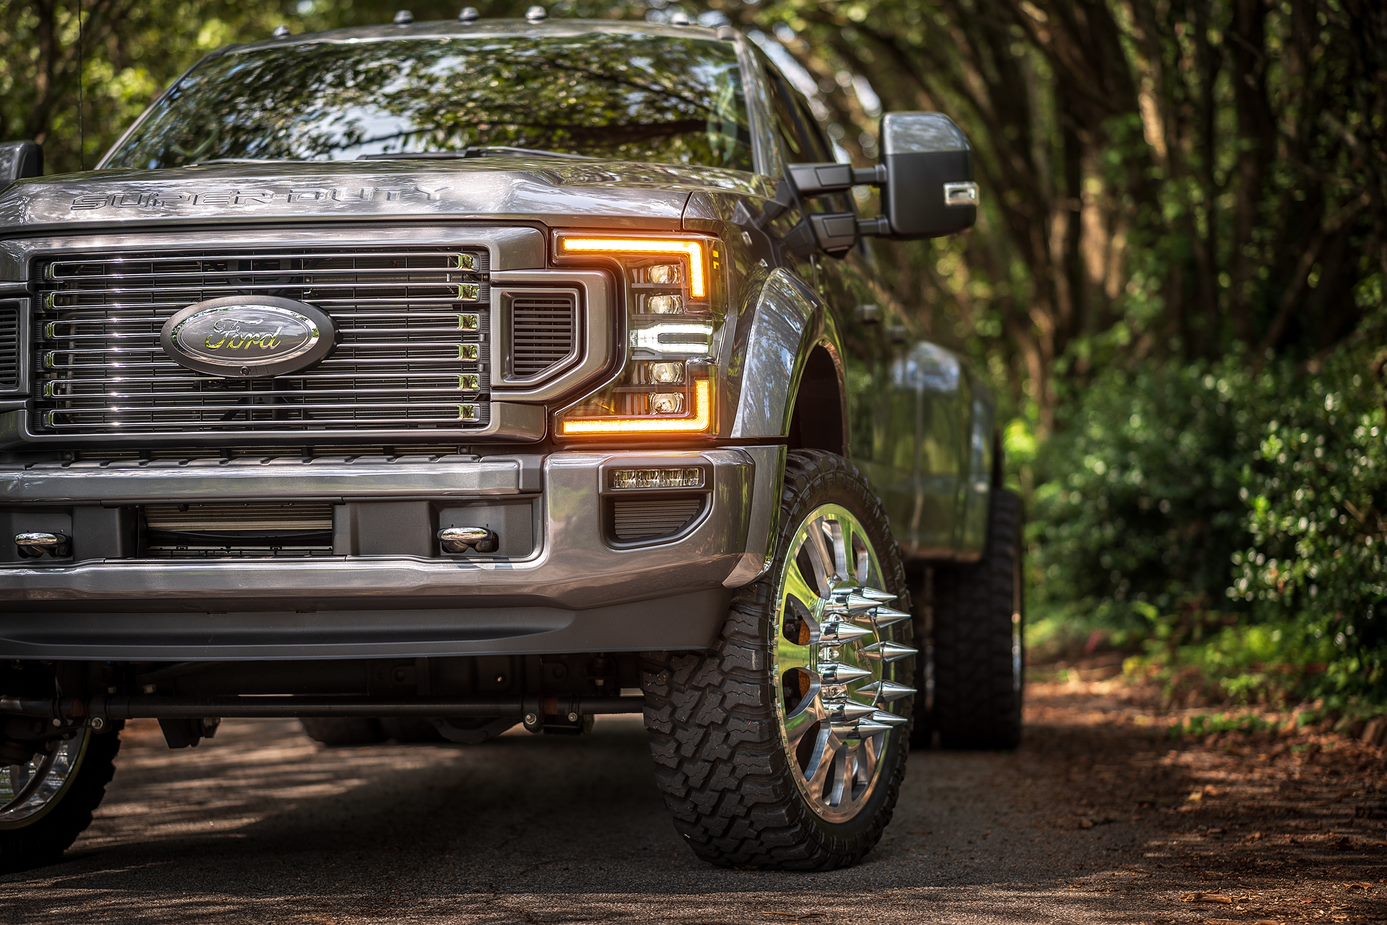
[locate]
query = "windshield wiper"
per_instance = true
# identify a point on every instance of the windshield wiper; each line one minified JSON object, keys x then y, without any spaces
{"x":472,"y":151}
{"x":242,"y":160}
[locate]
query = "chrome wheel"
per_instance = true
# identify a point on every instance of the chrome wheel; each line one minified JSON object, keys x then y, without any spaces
{"x":29,"y":790}
{"x":836,"y":663}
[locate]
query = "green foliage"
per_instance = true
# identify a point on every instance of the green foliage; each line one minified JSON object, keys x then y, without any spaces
{"x":1234,"y":517}
{"x":1317,"y":498}
{"x":1203,"y":725}
{"x":1137,"y":515}
{"x":1251,"y":663}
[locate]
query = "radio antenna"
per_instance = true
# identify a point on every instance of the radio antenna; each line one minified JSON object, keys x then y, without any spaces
{"x":81,"y":101}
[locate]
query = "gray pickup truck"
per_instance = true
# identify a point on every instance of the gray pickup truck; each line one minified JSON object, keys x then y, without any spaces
{"x":434,"y":378}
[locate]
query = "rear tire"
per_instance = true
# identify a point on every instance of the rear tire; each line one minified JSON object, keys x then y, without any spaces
{"x":977,"y":641}
{"x":36,"y":831}
{"x":771,"y":751}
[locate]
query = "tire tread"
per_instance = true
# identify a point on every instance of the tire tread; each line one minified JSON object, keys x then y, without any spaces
{"x":976,"y":705}
{"x":713,"y":729}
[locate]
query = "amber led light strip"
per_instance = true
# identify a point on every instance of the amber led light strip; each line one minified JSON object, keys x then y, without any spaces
{"x":698,"y":423}
{"x":698,"y":285}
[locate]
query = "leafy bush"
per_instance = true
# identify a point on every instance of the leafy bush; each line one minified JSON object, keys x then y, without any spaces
{"x":1317,"y":498}
{"x":1138,"y":514}
{"x":1234,"y":519}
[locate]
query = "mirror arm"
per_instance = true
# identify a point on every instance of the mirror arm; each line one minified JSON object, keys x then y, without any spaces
{"x":823,"y":179}
{"x":874,"y":227}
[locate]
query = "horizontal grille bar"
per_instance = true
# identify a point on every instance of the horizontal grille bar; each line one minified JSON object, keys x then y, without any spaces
{"x":410,"y":351}
{"x":652,"y":518}
{"x":74,"y":266}
{"x":239,"y":518}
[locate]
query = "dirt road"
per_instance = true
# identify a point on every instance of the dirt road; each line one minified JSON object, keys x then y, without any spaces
{"x":1101,"y":817}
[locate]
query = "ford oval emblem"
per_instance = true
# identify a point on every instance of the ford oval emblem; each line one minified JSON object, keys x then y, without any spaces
{"x":242,"y":337}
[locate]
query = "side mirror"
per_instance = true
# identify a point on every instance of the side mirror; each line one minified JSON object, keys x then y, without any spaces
{"x":18,"y":160}
{"x":926,"y":180}
{"x":929,"y":189}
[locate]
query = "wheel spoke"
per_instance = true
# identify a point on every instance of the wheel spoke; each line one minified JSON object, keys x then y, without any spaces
{"x":821,"y":761}
{"x":871,"y":753}
{"x":839,"y":531}
{"x":793,"y":655}
{"x":797,"y":587}
{"x":852,"y":775}
{"x":800,"y":722}
{"x":845,"y":778}
{"x":863,"y":567}
{"x":820,"y":557}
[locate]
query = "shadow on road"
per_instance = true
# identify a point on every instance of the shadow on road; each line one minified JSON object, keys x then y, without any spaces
{"x":261,"y":825}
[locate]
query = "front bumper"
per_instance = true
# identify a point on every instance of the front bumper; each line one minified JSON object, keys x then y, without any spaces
{"x":574,"y":592}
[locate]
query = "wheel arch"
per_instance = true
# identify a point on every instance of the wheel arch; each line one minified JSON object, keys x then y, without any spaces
{"x":818,"y":415}
{"x":792,"y":377}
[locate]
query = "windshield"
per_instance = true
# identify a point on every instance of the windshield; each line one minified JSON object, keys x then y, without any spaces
{"x":622,"y":96}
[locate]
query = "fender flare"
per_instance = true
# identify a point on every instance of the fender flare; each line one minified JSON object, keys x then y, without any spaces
{"x":785,"y":323}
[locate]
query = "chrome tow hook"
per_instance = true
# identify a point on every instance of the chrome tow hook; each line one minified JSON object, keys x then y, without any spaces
{"x":467,"y":539}
{"x":34,"y":544}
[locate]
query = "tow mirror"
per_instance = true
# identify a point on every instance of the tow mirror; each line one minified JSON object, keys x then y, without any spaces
{"x":18,"y":160}
{"x":926,"y":180}
{"x":929,"y":189}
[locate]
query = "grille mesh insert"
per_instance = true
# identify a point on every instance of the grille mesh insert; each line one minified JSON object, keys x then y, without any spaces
{"x":238,"y":530}
{"x":652,"y":518}
{"x":9,"y":346}
{"x":543,"y":335}
{"x":410,"y":352}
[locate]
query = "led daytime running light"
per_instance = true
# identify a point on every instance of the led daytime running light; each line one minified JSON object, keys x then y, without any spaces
{"x":693,"y":250}
{"x":697,"y":423}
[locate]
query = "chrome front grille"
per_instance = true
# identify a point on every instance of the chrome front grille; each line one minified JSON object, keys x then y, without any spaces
{"x":411,"y":352}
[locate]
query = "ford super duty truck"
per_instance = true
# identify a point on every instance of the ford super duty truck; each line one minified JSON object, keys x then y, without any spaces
{"x":455,"y":376}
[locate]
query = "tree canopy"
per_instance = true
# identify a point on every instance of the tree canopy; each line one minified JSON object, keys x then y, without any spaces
{"x":1180,"y":197}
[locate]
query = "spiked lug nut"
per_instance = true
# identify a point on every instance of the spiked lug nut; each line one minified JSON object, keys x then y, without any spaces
{"x":848,"y":711}
{"x":887,"y":691}
{"x":888,"y":719}
{"x":866,"y":727}
{"x":851,"y":603}
{"x":889,"y":652}
{"x":876,"y":594}
{"x":839,"y":632}
{"x":838,"y":673}
{"x":889,"y":616}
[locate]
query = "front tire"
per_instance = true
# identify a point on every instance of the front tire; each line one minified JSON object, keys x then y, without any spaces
{"x":785,"y":747}
{"x":48,"y":801}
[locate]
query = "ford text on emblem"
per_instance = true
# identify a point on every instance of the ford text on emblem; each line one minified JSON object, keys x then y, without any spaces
{"x":241,"y":337}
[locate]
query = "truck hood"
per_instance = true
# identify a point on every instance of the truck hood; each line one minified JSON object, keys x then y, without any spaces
{"x":595,"y":193}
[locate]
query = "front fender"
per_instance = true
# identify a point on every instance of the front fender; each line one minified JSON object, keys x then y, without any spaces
{"x":784,"y":322}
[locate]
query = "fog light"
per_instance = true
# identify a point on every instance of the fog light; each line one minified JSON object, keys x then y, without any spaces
{"x":635,"y":479}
